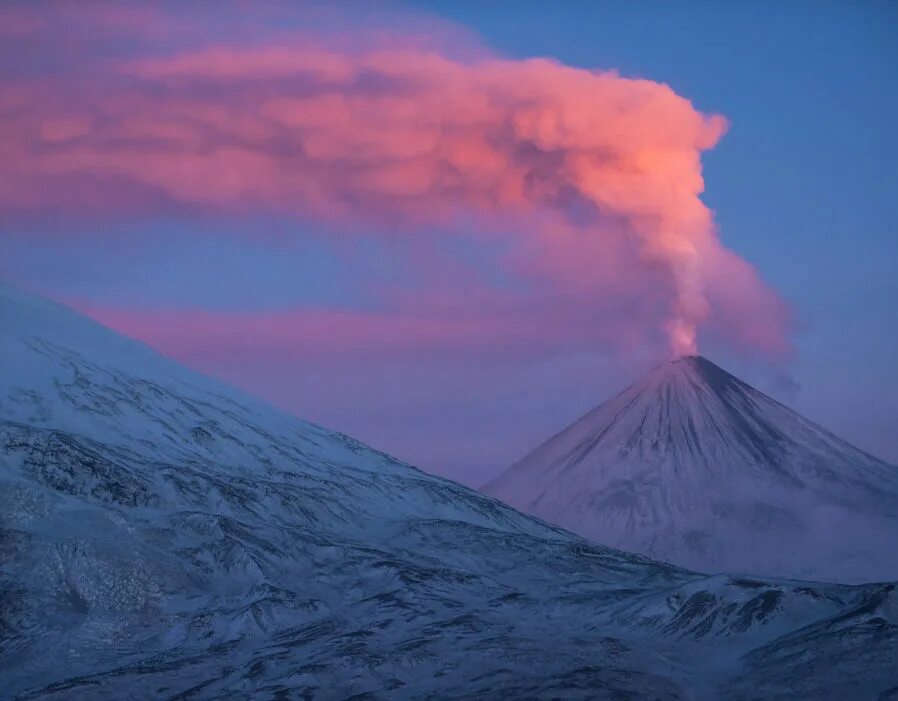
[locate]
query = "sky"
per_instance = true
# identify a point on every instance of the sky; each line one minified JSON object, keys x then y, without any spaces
{"x":449,"y":229}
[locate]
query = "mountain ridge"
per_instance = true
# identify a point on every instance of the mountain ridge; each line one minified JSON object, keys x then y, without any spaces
{"x":164,"y":536}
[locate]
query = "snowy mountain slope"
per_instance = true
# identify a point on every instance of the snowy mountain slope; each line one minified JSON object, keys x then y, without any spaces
{"x":163,"y":536}
{"x":693,"y":466}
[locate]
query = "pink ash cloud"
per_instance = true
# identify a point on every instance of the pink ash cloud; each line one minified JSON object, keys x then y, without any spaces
{"x":589,"y":182}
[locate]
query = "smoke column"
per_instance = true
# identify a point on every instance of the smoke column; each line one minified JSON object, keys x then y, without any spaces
{"x":590,"y":170}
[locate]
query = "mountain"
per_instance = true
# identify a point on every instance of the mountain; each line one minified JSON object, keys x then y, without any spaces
{"x":164,"y":536}
{"x":693,"y":466}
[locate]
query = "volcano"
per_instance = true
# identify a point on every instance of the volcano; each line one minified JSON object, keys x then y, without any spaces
{"x":693,"y":466}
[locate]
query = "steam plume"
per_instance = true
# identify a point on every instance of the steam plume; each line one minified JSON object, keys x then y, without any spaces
{"x":592,"y":171}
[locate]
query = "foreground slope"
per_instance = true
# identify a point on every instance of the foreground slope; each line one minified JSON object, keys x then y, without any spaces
{"x":693,"y":466}
{"x":163,"y":536}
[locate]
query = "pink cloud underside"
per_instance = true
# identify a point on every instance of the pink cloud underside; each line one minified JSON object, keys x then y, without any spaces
{"x":194,"y":335}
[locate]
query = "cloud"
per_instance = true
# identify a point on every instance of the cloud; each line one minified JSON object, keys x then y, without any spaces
{"x":589,"y":181}
{"x":486,"y":330}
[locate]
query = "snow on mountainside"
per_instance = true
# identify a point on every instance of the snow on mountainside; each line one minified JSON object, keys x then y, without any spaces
{"x":693,"y":466}
{"x":164,"y":536}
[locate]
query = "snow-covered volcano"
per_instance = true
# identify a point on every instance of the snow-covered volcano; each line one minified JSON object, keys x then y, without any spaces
{"x":695,"y":467}
{"x":163,"y":536}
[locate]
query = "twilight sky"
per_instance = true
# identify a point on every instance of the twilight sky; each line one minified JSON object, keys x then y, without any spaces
{"x":449,"y":229}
